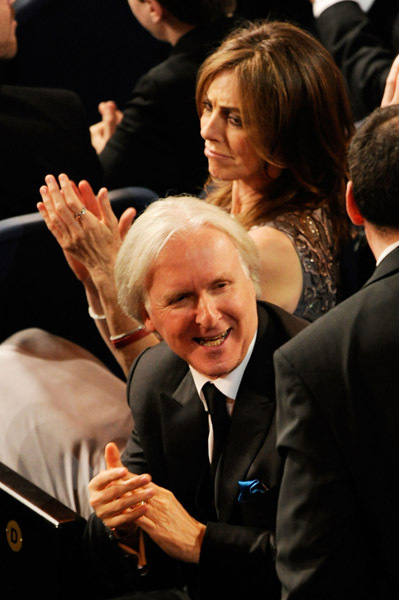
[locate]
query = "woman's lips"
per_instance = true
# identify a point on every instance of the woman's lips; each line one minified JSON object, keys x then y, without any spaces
{"x":210,"y":153}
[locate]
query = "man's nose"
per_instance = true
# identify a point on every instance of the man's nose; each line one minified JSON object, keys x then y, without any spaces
{"x":208,"y":313}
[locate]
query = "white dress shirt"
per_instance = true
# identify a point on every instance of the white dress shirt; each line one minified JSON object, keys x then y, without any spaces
{"x":228,"y":385}
{"x":387,"y":251}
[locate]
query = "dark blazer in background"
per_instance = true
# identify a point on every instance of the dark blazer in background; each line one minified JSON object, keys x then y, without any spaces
{"x":170,"y":442}
{"x":364,"y":46}
{"x":158,"y":143}
{"x":337,"y":427}
{"x":96,"y":48}
{"x":41,"y":131}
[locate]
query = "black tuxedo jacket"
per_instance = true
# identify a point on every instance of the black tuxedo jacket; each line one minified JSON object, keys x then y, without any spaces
{"x":364,"y":46}
{"x":158,"y":143}
{"x":337,"y":427}
{"x":42,"y":131}
{"x":170,"y":442}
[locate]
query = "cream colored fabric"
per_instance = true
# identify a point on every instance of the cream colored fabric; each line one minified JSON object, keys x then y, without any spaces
{"x":59,"y":406}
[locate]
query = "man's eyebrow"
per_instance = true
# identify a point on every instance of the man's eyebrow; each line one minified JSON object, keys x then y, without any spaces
{"x":168,"y":296}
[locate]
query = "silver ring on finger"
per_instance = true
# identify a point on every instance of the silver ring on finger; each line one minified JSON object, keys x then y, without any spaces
{"x":79,"y":214}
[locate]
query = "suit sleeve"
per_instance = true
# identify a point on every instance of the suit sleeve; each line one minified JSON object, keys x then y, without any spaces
{"x":362,"y":54}
{"x":137,"y":145}
{"x":237,"y":561}
{"x":146,"y":146}
{"x":319,"y":548}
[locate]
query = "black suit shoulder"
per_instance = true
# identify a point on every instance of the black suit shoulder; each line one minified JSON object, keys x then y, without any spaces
{"x":157,"y":364}
{"x":288,"y":324}
{"x":353,"y":346}
{"x":374,"y":301}
{"x":38,"y":96}
{"x":41,"y":131}
{"x":363,"y":45}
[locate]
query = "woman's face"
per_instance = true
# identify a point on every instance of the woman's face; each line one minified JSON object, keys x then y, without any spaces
{"x":231,"y":155}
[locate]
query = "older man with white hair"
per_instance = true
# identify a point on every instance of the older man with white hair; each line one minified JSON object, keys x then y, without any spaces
{"x":197,"y":486}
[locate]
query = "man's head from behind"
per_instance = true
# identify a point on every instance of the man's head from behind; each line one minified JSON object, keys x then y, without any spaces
{"x":8,"y":40}
{"x":189,"y":271}
{"x":198,"y":12}
{"x":374,"y":168}
{"x":190,"y":12}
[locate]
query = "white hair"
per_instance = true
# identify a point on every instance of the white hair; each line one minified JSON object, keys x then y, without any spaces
{"x":152,"y":230}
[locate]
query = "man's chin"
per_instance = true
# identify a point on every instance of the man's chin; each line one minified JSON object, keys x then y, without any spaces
{"x":214,"y":369}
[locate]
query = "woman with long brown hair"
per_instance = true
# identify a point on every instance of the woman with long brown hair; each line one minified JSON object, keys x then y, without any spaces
{"x":276,"y":122}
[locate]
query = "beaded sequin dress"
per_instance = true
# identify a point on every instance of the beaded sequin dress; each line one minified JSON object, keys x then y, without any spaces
{"x":312,"y":237}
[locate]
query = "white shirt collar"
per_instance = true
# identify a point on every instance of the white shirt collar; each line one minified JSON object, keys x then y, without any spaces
{"x":228,"y":384}
{"x":387,"y":251}
{"x":320,"y":6}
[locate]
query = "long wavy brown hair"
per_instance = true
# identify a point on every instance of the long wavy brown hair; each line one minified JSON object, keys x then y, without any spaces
{"x":296,"y":112}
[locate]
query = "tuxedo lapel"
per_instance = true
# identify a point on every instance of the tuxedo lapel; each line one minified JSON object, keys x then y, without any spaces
{"x":188,"y":422}
{"x":186,"y":439}
{"x":249,"y":428}
{"x":251,"y":420}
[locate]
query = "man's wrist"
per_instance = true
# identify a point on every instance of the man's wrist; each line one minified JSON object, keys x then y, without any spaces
{"x":198,"y":545}
{"x":125,"y":537}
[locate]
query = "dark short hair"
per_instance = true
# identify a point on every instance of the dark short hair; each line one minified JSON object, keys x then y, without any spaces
{"x":198,"y":12}
{"x":374,"y":167}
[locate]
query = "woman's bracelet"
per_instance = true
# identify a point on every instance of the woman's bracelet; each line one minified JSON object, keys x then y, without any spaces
{"x":123,"y":339}
{"x":95,"y":316}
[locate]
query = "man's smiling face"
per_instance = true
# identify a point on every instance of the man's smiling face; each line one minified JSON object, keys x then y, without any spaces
{"x":202,"y":302}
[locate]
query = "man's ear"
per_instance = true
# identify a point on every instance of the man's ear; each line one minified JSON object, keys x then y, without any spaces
{"x":156,"y":11}
{"x":146,"y":319}
{"x":351,"y":206}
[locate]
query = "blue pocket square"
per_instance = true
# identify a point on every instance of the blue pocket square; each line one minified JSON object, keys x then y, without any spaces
{"x":247,"y":488}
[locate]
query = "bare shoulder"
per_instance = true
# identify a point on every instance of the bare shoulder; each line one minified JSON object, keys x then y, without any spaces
{"x":273,"y":244}
{"x":280,"y":267}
